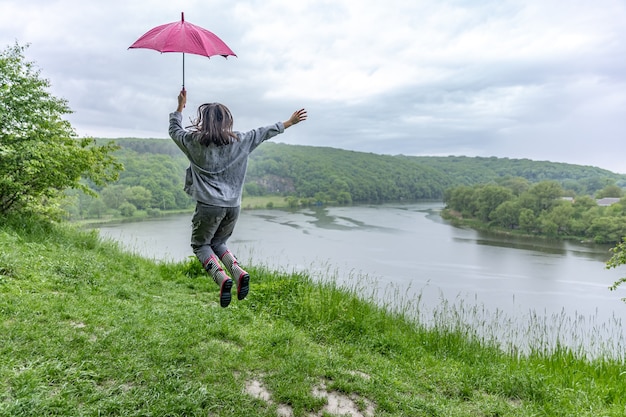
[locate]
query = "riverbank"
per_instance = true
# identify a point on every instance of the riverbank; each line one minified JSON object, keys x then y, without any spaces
{"x":89,"y":329}
{"x":456,"y":219}
{"x":248,"y":203}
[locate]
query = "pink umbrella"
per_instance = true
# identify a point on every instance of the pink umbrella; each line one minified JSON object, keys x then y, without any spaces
{"x":183,"y":37}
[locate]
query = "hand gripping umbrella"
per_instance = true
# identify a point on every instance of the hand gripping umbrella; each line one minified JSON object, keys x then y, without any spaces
{"x":183,"y":37}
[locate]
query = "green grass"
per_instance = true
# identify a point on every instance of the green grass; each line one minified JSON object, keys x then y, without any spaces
{"x":89,"y":330}
{"x":262,"y":202}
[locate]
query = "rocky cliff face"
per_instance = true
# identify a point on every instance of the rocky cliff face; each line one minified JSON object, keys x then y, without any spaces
{"x":275,"y":184}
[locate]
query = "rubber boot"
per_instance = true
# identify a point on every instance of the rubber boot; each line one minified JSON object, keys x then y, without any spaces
{"x":212,"y":266}
{"x":241,"y":277}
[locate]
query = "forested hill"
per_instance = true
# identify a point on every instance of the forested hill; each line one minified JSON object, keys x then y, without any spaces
{"x":472,"y":170}
{"x":336,"y":175}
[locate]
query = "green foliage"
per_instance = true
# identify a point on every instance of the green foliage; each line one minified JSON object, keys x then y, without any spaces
{"x":539,"y":209}
{"x":314,"y":175}
{"x":127,"y":209}
{"x":292,"y":202}
{"x":159,"y":176}
{"x":527,"y":221}
{"x":479,"y":170}
{"x":138,"y":196}
{"x":336,"y":176}
{"x":40,"y":153}
{"x":490,"y":197}
{"x":151,"y":181}
{"x":618,"y":259}
{"x":506,"y":214}
{"x":611,"y":190}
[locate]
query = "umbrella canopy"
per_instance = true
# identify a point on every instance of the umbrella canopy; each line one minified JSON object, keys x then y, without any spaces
{"x":183,"y":37}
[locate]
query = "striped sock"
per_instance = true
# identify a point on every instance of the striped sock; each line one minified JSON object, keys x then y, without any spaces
{"x":212,"y":266}
{"x":242,"y":278}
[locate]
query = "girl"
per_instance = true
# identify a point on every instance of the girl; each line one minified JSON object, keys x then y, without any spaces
{"x":218,"y":158}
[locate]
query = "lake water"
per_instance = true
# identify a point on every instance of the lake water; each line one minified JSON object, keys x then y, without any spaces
{"x":407,"y":257}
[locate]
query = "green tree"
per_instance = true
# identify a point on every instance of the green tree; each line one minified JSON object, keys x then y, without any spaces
{"x":76,"y":203}
{"x":585,"y":210}
{"x":320,"y":198}
{"x":527,"y":220}
{"x":548,"y":226}
{"x":618,"y":258}
{"x":40,"y":154}
{"x":516,"y":184}
{"x":127,"y":209}
{"x":489,"y":198}
{"x":541,"y":196}
{"x":71,"y":205}
{"x":561,"y":215}
{"x":610,"y":191}
{"x":97,"y":208}
{"x":607,"y":229}
{"x":584,"y":203}
{"x":344,"y":197}
{"x":507,"y":214}
{"x":113,"y":196}
{"x":253,"y":189}
{"x":292,"y":201}
{"x":462,"y":199}
{"x":138,"y":196}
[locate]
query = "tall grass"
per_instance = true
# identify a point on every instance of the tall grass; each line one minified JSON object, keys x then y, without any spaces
{"x":584,"y":336}
{"x":531,"y":351}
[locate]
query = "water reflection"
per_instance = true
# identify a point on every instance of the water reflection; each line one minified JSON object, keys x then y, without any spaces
{"x":596,"y":252}
{"x":325,"y":220}
{"x":557,"y":249}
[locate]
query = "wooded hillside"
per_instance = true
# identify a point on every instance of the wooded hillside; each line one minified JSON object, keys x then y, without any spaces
{"x":154,"y":173}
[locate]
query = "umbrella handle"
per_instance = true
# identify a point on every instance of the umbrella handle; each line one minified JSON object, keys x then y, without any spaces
{"x":182,"y":20}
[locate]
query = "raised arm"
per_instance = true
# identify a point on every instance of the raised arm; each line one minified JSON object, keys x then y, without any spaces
{"x":182,"y":100}
{"x":297,"y":117}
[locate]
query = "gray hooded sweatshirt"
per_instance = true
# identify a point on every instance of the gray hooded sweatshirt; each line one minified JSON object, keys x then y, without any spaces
{"x":216,"y":173}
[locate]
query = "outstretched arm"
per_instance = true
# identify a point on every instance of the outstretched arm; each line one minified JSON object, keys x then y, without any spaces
{"x":297,"y":117}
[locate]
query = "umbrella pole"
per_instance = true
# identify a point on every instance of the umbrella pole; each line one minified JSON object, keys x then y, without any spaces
{"x":183,"y":70}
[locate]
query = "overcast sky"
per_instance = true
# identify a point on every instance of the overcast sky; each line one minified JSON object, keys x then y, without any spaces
{"x":537,"y":79}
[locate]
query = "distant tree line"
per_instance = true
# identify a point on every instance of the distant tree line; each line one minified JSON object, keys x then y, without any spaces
{"x":152,"y":179}
{"x":336,"y":176}
{"x":543,"y":208}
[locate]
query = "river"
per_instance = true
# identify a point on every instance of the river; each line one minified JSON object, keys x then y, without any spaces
{"x":406,"y":257}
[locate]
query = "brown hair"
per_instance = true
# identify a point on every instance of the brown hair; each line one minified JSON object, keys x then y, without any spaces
{"x":214,"y":124}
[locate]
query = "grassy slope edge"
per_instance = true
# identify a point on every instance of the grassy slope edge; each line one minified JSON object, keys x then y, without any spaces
{"x":88,"y":329}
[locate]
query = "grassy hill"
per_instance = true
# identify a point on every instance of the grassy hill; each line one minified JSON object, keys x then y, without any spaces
{"x":90,"y":330}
